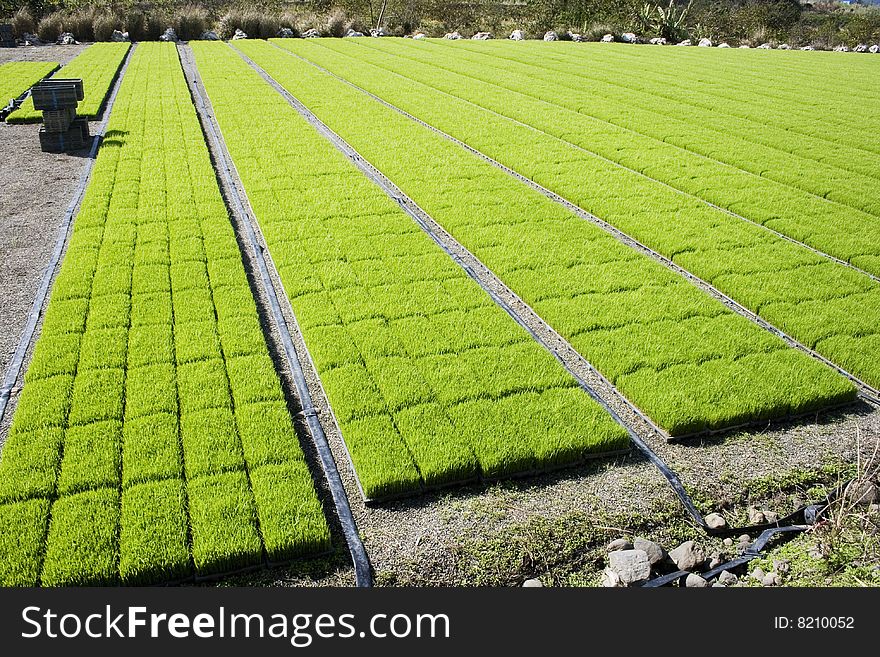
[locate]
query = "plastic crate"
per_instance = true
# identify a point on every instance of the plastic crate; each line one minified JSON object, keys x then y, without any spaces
{"x":63,"y":142}
{"x":57,"y":94}
{"x":58,"y":120}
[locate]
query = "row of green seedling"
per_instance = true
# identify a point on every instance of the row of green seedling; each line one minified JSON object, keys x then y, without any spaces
{"x":586,"y":284}
{"x":430,"y":382}
{"x":824,"y":305}
{"x":152,"y":440}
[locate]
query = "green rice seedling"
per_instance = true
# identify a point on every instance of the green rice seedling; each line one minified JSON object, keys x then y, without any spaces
{"x":332,"y":346}
{"x":266,"y":434}
{"x":353,"y":393}
{"x":97,"y":395}
{"x":92,"y":457}
{"x":440,"y":453}
{"x":43,"y":403}
{"x":579,"y":138}
{"x":151,"y":344}
{"x":18,"y":77}
{"x":241,"y":336}
{"x":150,"y":390}
{"x":56,"y":355}
{"x":103,"y":348}
{"x":29,"y":464}
{"x":153,"y":533}
{"x":82,"y":547}
{"x":22,"y":541}
{"x":151,"y":449}
{"x":399,"y":381}
{"x":253,"y":379}
{"x":129,"y":377}
{"x":381,"y":458}
{"x":196,"y":341}
{"x":97,"y":66}
{"x":223,"y":522}
{"x":210,"y":442}
{"x":291,"y":521}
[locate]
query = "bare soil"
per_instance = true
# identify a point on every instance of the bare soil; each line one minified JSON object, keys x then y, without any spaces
{"x":48,"y":53}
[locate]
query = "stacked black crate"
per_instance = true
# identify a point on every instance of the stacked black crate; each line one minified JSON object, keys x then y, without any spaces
{"x":6,"y":38}
{"x":61,"y":131}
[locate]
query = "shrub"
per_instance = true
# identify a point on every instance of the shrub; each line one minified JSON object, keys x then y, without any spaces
{"x":23,"y":23}
{"x":104,"y":25}
{"x":81,"y":23}
{"x":190,"y":22}
{"x":50,"y":27}
{"x":254,"y":23}
{"x":337,"y":23}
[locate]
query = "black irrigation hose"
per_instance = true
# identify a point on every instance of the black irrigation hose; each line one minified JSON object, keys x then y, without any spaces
{"x":14,"y":368}
{"x":794,"y":522}
{"x":867,"y":392}
{"x":363,"y":576}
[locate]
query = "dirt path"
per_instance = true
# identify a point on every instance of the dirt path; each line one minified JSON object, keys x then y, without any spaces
{"x":60,"y":54}
{"x":35,"y":190}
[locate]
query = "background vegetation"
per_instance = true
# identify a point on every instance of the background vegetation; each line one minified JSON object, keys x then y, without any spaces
{"x":820,"y":24}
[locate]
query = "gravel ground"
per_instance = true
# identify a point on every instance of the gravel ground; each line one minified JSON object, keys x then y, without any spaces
{"x":52,"y":53}
{"x":35,"y":190}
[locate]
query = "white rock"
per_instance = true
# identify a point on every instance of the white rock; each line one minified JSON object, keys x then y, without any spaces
{"x":861,"y":48}
{"x":781,"y":565}
{"x":758,"y":574}
{"x":705,"y":43}
{"x":765,"y":46}
{"x":610,"y":579}
{"x":727,"y":578}
{"x":210,"y":35}
{"x":756,"y":517}
{"x":687,"y":555}
{"x":724,"y":45}
{"x":694,"y":581}
{"x":608,"y":38}
{"x":657,"y":41}
{"x":239,"y":34}
{"x":378,"y":33}
{"x":120,"y":37}
{"x":715,"y":521}
{"x":629,"y":37}
{"x":517,"y":35}
{"x":169,"y":35}
{"x":655,"y":553}
{"x":841,"y":49}
{"x":718,"y":585}
{"x":533,"y":583}
{"x":874,"y":49}
{"x":807,"y":48}
{"x":419,"y":35}
{"x":619,"y":544}
{"x":452,"y":36}
{"x":784,"y":46}
{"x":286,"y":33}
{"x":630,"y":565}
{"x":64,"y":39}
{"x":771,"y":516}
{"x":771,"y":579}
{"x":746,"y":46}
{"x":728,"y":541}
{"x":686,"y":42}
{"x":551,"y":36}
{"x":716,"y":560}
{"x":482,"y":36}
{"x":353,"y":34}
{"x":311,"y":33}
{"x":863,"y":492}
{"x":579,"y":38}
